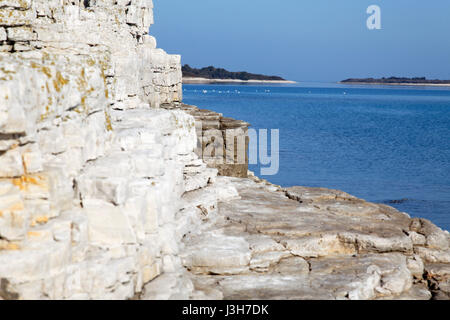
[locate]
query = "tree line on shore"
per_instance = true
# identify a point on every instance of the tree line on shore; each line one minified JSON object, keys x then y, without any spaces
{"x":220,"y":73}
{"x":416,"y":80}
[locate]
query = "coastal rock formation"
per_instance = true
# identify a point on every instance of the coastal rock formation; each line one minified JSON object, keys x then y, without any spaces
{"x":223,"y":142}
{"x":103,"y":194}
{"x":91,"y":173}
{"x":314,"y":243}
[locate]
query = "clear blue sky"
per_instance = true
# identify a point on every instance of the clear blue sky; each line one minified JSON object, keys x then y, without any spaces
{"x":308,"y":40}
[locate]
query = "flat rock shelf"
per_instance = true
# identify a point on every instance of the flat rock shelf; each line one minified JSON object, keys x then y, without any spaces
{"x":313,"y":243}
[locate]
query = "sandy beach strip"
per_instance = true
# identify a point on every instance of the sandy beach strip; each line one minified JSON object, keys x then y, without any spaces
{"x":211,"y":81}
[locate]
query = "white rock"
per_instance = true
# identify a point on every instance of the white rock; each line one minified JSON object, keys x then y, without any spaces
{"x":108,"y":225}
{"x":21,"y":34}
{"x":318,"y":246}
{"x":220,"y":254}
{"x":3,"y":35}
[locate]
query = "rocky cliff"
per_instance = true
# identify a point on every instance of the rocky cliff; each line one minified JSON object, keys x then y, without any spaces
{"x":92,"y":173}
{"x":103,"y":193}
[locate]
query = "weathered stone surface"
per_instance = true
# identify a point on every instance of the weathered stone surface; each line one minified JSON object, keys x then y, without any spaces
{"x":3,"y":35}
{"x":21,"y":34}
{"x":91,"y":177}
{"x":304,"y":194}
{"x":309,"y":243}
{"x":416,"y":266}
{"x":217,"y":254}
{"x":417,"y":292}
{"x":19,"y":4}
{"x":168,"y":287}
{"x":433,"y":255}
{"x":435,"y":237}
{"x":441,"y":270}
{"x":11,"y":16}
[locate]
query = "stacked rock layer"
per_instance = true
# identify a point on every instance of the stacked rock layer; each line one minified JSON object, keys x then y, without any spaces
{"x":222,"y":142}
{"x":92,"y":173}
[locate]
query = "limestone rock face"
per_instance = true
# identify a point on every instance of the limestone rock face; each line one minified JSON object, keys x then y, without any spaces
{"x":92,"y":173}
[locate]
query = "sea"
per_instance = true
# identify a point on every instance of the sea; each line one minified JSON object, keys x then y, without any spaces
{"x":384,"y":144}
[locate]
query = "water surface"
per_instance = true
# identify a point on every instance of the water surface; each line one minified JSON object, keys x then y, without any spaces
{"x":385,"y":144}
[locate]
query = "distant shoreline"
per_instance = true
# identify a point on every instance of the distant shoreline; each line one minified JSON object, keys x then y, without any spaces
{"x":190,"y":80}
{"x":396,"y":83}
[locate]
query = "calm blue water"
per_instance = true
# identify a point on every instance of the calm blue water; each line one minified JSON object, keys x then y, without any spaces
{"x":377,"y":143}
